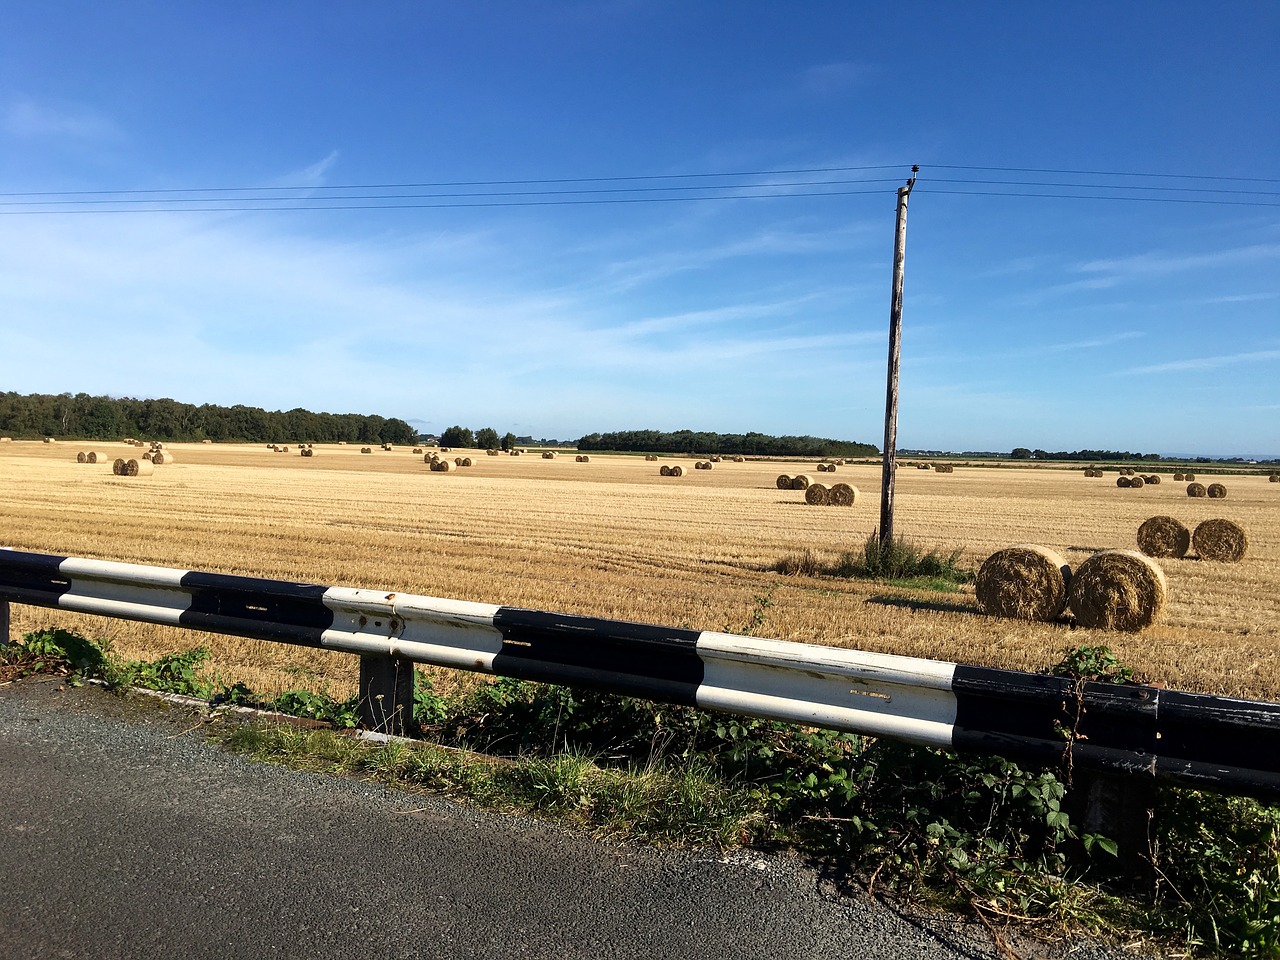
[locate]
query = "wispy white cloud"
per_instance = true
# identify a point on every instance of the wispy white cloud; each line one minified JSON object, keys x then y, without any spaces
{"x":1147,"y":264}
{"x":28,"y":120}
{"x":1209,"y":363}
{"x":313,"y":175}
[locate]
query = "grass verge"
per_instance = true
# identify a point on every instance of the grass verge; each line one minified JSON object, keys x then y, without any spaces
{"x":981,"y":834}
{"x":899,"y":562}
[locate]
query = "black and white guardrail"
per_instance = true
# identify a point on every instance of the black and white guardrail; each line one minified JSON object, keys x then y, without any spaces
{"x":1196,"y":739}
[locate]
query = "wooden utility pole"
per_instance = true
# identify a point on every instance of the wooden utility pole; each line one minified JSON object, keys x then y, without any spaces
{"x":891,"y":390}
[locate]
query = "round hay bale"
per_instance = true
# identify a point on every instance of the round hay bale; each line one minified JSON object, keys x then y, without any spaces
{"x":1136,"y":483}
{"x":1118,"y":590}
{"x":665,"y":470}
{"x":120,"y":467}
{"x":1274,"y":478}
{"x":442,"y":465}
{"x":816,"y":494}
{"x":1196,"y":490}
{"x":139,"y":468}
{"x":1188,"y":476}
{"x":82,"y":457}
{"x":1220,"y":540}
{"x":822,"y":468}
{"x":428,"y":458}
{"x":206,"y":441}
{"x":1122,"y":481}
{"x":157,"y":445}
{"x":1216,"y":491}
{"x":148,"y":455}
{"x":784,"y":482}
{"x":93,"y":456}
{"x":444,"y":449}
{"x":844,"y":495}
{"x":1164,"y":537}
{"x":651,"y":456}
{"x":1153,"y":479}
{"x":801,"y":481}
{"x":548,"y":455}
{"x":161,"y":457}
{"x":1177,"y":478}
{"x":417,"y":450}
{"x":307,"y":452}
{"x":924,"y":466}
{"x":6,"y":439}
{"x":1024,"y":582}
{"x":366,"y":450}
{"x":677,"y":471}
{"x":466,"y":462}
{"x":744,"y":460}
{"x":493,"y":453}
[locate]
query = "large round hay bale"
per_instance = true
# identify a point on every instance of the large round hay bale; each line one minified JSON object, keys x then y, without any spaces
{"x":466,"y":462}
{"x":1163,"y":537}
{"x":93,"y":456}
{"x":665,"y":470}
{"x":784,"y":482}
{"x":148,"y":455}
{"x":677,"y":471}
{"x":120,"y":467}
{"x":1274,"y":478}
{"x":1122,"y":481}
{"x":822,"y":468}
{"x":1177,"y":478}
{"x":1025,"y":582}
{"x":1118,"y":590}
{"x":366,"y":449}
{"x":307,"y":452}
{"x":1136,"y":483}
{"x":1196,"y":490}
{"x":139,"y":468}
{"x":1220,"y":540}
{"x":844,"y":495}
{"x":801,"y":481}
{"x":442,"y":465}
{"x":161,"y":457}
{"x":1153,"y":478}
{"x":1216,"y":491}
{"x":548,"y":455}
{"x":82,"y":457}
{"x":816,"y":494}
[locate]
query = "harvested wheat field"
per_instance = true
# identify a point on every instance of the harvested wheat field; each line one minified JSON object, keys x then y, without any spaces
{"x":618,"y":540}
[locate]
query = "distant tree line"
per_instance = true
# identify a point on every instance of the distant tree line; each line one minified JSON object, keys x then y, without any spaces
{"x":1022,"y":453}
{"x":747,"y":444}
{"x":486,"y":438}
{"x":108,"y":418}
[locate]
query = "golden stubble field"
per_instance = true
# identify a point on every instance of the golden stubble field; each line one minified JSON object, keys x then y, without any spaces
{"x":612,"y":538}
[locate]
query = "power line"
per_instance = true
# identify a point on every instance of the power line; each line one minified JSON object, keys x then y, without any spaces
{"x":1105,"y":173}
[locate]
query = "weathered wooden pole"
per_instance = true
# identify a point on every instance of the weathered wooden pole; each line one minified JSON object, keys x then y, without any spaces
{"x":891,"y":389}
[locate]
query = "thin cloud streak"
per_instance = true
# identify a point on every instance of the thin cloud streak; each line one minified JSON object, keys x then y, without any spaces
{"x":1208,"y":363}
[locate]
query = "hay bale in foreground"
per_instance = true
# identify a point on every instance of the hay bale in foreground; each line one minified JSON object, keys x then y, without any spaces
{"x":784,"y":482}
{"x":1118,"y":590}
{"x":1136,"y":483}
{"x":1024,"y":582}
{"x":1122,"y":481}
{"x":139,"y":468}
{"x":1220,"y":540}
{"x":801,"y":481}
{"x":1164,"y":537}
{"x":1216,"y":491}
{"x":844,"y":495}
{"x":442,"y":465}
{"x":120,"y":467}
{"x":82,"y":457}
{"x":665,"y":470}
{"x":1196,"y":490}
{"x":817,"y":495}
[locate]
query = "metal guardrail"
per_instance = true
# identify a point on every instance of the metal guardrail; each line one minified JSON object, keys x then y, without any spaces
{"x":1193,"y":739}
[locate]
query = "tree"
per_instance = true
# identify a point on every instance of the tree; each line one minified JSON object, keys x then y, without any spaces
{"x":1021,"y":453}
{"x":487,"y":438}
{"x":457,"y":436}
{"x":508,"y":441}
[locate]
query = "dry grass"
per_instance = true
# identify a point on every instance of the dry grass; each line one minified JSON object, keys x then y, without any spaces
{"x":620,"y":541}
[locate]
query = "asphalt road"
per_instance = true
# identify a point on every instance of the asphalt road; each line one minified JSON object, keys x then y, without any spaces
{"x":123,"y":834}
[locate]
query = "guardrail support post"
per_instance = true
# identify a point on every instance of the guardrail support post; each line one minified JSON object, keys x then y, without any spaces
{"x":4,"y":621}
{"x":386,"y":695}
{"x":1121,"y":808}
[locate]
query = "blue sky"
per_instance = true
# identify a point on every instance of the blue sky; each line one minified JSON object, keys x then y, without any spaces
{"x":1146,"y":324}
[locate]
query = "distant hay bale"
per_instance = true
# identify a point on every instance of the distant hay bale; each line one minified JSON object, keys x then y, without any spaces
{"x":161,"y":457}
{"x":924,"y":466}
{"x":844,"y":495}
{"x":428,"y":457}
{"x":677,"y":471}
{"x":1164,"y":537}
{"x":739,"y":459}
{"x":548,"y":454}
{"x":417,"y":450}
{"x":1136,"y":483}
{"x":139,"y":468}
{"x":801,"y":481}
{"x":1274,"y":478}
{"x":1118,"y":590}
{"x":665,"y":470}
{"x":120,"y":468}
{"x":307,"y":452}
{"x":715,"y":459}
{"x":6,"y":439}
{"x":651,"y":456}
{"x":1216,"y":491}
{"x":1178,"y":478}
{"x":703,"y":465}
{"x":342,"y":443}
{"x":1188,"y":476}
{"x":1196,"y":490}
{"x":822,"y":468}
{"x":147,"y":455}
{"x":387,"y":446}
{"x":816,"y":494}
{"x":1122,"y":481}
{"x":157,"y":445}
{"x":82,"y":457}
{"x":366,"y":449}
{"x":784,"y":482}
{"x":444,"y":450}
{"x":50,"y":440}
{"x":1220,"y":540}
{"x":206,"y":441}
{"x":466,"y":462}
{"x":93,"y":456}
{"x":1024,"y":582}
{"x":582,"y":458}
{"x":442,"y":465}
{"x":493,"y":453}
{"x":1153,"y":478}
